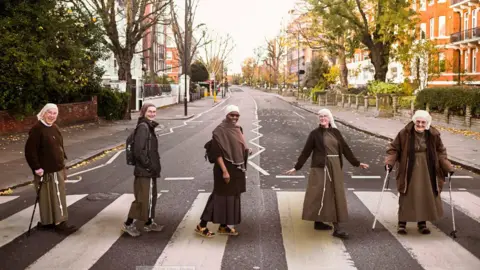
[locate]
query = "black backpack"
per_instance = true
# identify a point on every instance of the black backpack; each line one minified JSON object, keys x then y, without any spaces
{"x":129,"y":147}
{"x":207,"y":147}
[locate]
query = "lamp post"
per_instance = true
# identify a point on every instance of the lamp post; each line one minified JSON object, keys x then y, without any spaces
{"x":185,"y":60}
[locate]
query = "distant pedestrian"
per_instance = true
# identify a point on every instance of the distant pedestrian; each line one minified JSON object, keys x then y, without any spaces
{"x":423,"y":165}
{"x":325,"y":199}
{"x":46,"y":156}
{"x":147,"y":170}
{"x":230,"y":151}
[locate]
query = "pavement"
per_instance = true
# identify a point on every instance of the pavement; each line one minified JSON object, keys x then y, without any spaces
{"x":87,"y":141}
{"x":463,"y":150}
{"x":272,"y":232}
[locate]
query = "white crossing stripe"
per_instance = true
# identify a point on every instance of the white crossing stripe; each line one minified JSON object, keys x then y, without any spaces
{"x":5,"y":199}
{"x":365,"y":177}
{"x":306,"y":248}
{"x":290,"y":176}
{"x":187,"y":248}
{"x":83,"y":248}
{"x":465,"y":202}
{"x":441,"y":250}
{"x":179,"y":178}
{"x":17,"y":224}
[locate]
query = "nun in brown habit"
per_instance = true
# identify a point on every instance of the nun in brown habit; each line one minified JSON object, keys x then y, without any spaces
{"x":325,"y":199}
{"x":229,"y":150}
{"x":423,"y":165}
{"x":147,"y":170}
{"x":46,"y":156}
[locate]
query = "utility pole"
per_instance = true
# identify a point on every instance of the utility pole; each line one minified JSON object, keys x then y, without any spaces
{"x":185,"y":59}
{"x":298,"y":63}
{"x":223,"y":88}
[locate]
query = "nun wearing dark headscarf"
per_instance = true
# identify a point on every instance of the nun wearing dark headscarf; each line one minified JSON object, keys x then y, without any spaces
{"x":147,"y":170}
{"x":422,"y":167}
{"x":230,"y":152}
{"x":325,"y":198}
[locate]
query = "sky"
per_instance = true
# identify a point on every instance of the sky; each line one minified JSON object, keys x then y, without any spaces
{"x":249,"y":22}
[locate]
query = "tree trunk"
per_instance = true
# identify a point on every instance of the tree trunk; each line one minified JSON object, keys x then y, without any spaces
{"x":125,"y":74}
{"x":342,"y":63}
{"x":379,"y":55}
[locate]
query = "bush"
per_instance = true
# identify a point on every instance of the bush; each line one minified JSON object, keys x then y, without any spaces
{"x":357,"y":90}
{"x":112,"y":104}
{"x":455,"y":98}
{"x":379,"y":87}
{"x":404,"y":102}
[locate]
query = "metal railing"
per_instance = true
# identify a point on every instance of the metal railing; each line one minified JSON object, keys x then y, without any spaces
{"x":454,"y":2}
{"x":472,"y":33}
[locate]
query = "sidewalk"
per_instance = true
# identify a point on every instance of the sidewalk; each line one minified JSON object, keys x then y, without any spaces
{"x":86,"y":141}
{"x":462,"y":150}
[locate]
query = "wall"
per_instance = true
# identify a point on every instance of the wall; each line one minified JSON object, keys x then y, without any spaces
{"x":70,"y":113}
{"x":161,"y":101}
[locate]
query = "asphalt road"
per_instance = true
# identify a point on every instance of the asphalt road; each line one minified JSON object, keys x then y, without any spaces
{"x":272,"y":234}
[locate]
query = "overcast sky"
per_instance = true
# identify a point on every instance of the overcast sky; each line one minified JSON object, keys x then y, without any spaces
{"x":249,"y":22}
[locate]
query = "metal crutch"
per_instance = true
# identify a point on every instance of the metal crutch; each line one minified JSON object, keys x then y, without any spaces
{"x":380,"y":201}
{"x":35,"y":205}
{"x":453,"y":234}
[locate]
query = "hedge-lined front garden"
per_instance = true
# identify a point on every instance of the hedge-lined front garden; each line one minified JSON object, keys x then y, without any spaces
{"x":456,"y":98}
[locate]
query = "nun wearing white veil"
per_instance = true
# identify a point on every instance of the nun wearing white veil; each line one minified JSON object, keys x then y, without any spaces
{"x":325,"y":199}
{"x":422,"y":167}
{"x":46,"y":156}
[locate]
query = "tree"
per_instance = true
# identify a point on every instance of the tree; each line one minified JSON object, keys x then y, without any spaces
{"x":125,"y":23}
{"x":276,"y":50}
{"x":192,"y":44}
{"x":329,"y":36}
{"x":248,"y":70}
{"x":316,"y":73}
{"x":376,"y":24}
{"x":216,"y":52}
{"x":199,"y":72}
{"x":47,"y":56}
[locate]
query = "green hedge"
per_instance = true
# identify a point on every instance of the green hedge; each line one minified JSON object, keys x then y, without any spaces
{"x":112,"y":104}
{"x":455,"y":98}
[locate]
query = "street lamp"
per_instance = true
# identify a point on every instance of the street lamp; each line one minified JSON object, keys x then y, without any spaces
{"x":185,"y":61}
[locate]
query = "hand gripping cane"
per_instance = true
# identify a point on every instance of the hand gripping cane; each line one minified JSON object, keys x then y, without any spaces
{"x":35,"y":205}
{"x":453,"y":234}
{"x":380,"y":201}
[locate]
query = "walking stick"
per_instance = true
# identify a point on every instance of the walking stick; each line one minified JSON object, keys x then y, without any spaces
{"x":35,"y":205}
{"x":380,"y":201}
{"x":453,"y":234}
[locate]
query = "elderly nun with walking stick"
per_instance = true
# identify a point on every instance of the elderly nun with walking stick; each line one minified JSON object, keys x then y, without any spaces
{"x":325,"y":199}
{"x":46,"y":156}
{"x":423,"y":165}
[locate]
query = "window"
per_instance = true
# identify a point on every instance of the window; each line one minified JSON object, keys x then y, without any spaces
{"x":474,"y":18}
{"x":474,"y":61}
{"x":169,"y":69}
{"x":423,"y":5}
{"x":441,"y":1}
{"x":414,"y":4}
{"x":356,"y":58}
{"x":441,"y":62}
{"x":423,"y":31}
{"x":432,"y":28}
{"x":466,"y":61}
{"x":441,"y":26}
{"x":169,"y":55}
{"x":430,"y":2}
{"x":465,"y":21}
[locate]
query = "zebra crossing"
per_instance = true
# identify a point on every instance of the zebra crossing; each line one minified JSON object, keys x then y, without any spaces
{"x":304,"y":248}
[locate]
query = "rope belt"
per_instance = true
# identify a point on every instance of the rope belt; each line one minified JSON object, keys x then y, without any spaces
{"x":325,"y":173}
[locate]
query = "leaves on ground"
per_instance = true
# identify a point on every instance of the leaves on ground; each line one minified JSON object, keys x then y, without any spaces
{"x":6,"y":192}
{"x":464,"y":132}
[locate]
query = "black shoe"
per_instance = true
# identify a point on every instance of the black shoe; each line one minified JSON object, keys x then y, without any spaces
{"x":321,"y":226}
{"x":45,"y":227}
{"x":340,"y":234}
{"x":423,"y":229}
{"x":65,"y":228}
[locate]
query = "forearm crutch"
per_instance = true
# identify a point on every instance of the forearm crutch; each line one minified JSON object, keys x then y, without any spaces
{"x":453,"y":234}
{"x":380,"y":201}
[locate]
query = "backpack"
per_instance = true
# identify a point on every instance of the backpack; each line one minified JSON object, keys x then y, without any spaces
{"x":129,"y":146}
{"x":207,"y":147}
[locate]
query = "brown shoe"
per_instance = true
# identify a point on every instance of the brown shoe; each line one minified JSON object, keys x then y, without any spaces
{"x":65,"y":228}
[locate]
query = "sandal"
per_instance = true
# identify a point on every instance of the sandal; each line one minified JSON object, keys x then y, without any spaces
{"x":402,"y":230}
{"x":204,"y":232}
{"x":423,"y":229}
{"x":227,"y":231}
